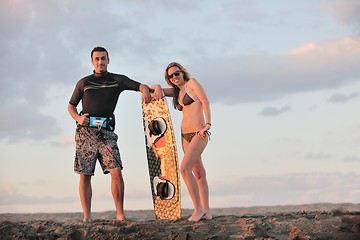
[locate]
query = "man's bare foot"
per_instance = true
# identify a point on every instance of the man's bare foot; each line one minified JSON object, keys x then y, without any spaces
{"x":86,"y":220}
{"x":120,"y":218}
{"x":196,"y":216}
{"x":87,"y":217}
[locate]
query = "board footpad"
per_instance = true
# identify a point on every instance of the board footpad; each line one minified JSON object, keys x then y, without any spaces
{"x":163,"y":188}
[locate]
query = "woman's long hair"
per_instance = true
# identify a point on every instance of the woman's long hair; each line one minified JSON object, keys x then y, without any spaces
{"x":187,"y":77}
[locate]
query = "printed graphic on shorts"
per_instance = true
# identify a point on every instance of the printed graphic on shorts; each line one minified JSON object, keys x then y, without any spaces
{"x":92,"y":144}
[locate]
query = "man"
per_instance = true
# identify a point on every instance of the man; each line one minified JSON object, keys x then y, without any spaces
{"x":95,"y":137}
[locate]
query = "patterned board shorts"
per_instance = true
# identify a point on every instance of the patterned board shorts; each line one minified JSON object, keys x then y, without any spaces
{"x":92,"y":144}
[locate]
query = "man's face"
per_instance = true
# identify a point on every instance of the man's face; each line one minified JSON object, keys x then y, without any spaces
{"x":100,"y":61}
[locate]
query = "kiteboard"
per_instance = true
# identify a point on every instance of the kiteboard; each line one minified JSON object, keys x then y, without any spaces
{"x":162,"y":159}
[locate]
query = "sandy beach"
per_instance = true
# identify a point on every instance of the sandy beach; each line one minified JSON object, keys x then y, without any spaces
{"x":310,"y":221}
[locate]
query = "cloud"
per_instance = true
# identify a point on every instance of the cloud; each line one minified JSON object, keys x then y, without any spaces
{"x":318,"y":156}
{"x":347,"y":12}
{"x":63,"y":141}
{"x":352,"y":159}
{"x":264,"y":190}
{"x":47,"y":45}
{"x":24,"y":121}
{"x":9,"y":195}
{"x":273,"y":111}
{"x":13,"y":200}
{"x":264,"y":77}
{"x":296,"y":188}
{"x":343,"y":98}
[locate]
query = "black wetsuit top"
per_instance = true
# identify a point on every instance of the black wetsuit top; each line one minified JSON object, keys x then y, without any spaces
{"x":100,"y":92}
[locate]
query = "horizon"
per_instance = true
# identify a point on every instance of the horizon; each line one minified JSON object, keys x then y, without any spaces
{"x":270,"y":208}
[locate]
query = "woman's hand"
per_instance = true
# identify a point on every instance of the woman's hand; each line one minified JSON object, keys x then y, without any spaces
{"x":203,"y":132}
{"x":158,"y":92}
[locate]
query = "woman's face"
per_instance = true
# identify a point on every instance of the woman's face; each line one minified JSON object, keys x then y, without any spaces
{"x":176,"y":76}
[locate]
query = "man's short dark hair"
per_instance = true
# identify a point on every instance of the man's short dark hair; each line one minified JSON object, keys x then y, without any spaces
{"x":99,"y":49}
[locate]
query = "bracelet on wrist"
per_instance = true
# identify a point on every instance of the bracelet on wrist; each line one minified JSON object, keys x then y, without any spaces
{"x":208,"y":124}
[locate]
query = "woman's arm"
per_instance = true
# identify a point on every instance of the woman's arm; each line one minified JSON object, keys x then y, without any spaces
{"x":169,"y":92}
{"x":201,"y":94}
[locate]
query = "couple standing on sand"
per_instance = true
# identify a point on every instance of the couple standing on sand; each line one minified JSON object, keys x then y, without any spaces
{"x":99,"y":93}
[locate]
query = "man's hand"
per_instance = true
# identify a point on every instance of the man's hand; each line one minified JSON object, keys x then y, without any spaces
{"x":146,"y":97}
{"x":83,"y":120}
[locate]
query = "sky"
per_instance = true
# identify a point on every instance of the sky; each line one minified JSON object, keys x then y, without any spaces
{"x":282,"y":77}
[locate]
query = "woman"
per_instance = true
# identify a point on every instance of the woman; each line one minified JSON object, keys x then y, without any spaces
{"x":190,"y":98}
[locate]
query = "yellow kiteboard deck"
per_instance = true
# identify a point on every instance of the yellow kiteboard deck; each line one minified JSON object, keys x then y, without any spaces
{"x":162,"y":159}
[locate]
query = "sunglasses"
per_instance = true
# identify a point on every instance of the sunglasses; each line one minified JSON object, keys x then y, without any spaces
{"x":176,"y":73}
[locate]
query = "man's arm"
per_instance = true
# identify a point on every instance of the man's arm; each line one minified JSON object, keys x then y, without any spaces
{"x":82,"y":120}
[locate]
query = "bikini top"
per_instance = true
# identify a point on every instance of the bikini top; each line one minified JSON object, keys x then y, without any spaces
{"x":187,"y":100}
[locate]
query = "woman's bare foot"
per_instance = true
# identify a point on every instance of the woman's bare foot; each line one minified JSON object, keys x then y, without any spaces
{"x":207,"y":216}
{"x":196,"y":216}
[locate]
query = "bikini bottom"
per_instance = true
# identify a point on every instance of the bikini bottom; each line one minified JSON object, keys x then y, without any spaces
{"x":189,"y":136}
